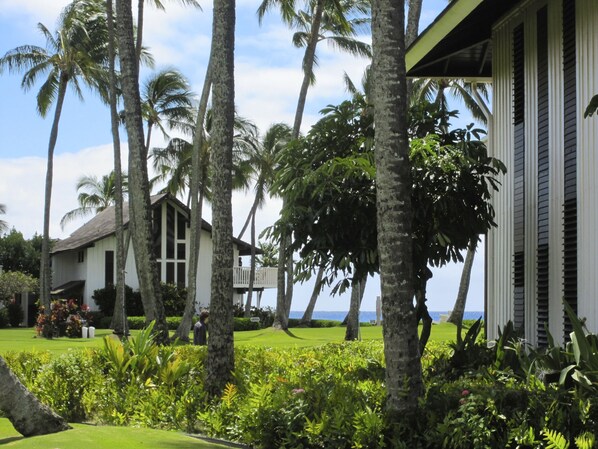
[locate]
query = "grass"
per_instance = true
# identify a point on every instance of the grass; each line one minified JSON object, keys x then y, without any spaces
{"x":101,"y":437}
{"x":24,"y":339}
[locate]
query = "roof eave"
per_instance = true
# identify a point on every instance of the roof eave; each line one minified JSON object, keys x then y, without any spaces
{"x":446,"y":22}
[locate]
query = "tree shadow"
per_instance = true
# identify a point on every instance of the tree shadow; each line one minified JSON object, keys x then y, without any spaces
{"x":292,"y":335}
{"x":10,"y":440}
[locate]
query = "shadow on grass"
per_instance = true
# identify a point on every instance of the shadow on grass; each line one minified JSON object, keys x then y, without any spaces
{"x":292,"y":335}
{"x":10,"y":440}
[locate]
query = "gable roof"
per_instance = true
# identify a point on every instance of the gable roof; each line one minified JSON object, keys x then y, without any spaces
{"x":458,"y":43}
{"x":104,"y":225}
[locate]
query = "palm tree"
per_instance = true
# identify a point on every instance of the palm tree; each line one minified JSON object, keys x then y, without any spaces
{"x":220,"y":359}
{"x":140,"y":12}
{"x":473,"y":95}
{"x":262,"y":160}
{"x":321,"y":19}
{"x":139,"y":204}
{"x":119,"y":319}
{"x":166,"y":99}
{"x":75,"y":52}
{"x":29,"y":416}
{"x":3,"y":224}
{"x":95,"y":195}
{"x":393,"y":196}
{"x":174,"y":165}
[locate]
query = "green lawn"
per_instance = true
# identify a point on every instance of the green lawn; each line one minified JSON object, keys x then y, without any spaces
{"x":24,"y":339}
{"x":101,"y":437}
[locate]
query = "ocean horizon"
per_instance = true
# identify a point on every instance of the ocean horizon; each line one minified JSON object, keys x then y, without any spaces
{"x":365,"y":316}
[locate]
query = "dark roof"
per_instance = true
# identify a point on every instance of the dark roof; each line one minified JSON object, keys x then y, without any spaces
{"x":104,"y":225}
{"x":458,"y":43}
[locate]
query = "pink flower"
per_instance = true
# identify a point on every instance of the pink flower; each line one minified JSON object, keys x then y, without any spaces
{"x":465,"y":392}
{"x":298,"y":391}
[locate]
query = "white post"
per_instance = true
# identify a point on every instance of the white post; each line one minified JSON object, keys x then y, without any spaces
{"x":378,"y":310}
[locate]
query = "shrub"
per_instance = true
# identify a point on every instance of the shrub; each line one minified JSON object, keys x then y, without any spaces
{"x":15,"y":314}
{"x":106,"y":297}
{"x":3,"y":318}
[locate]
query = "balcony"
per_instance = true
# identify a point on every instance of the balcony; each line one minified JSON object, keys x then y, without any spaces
{"x":265,"y":277}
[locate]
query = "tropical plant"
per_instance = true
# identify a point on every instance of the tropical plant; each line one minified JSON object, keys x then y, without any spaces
{"x":15,"y":282}
{"x":262,"y":161}
{"x":95,"y":195}
{"x":166,"y":99}
{"x":339,"y":23}
{"x":75,"y":53}
{"x":592,"y":107}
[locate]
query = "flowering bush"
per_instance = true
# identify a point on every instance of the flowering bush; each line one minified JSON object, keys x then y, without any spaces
{"x":65,"y":319}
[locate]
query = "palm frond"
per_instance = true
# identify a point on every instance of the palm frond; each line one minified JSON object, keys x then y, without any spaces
{"x":352,"y":46}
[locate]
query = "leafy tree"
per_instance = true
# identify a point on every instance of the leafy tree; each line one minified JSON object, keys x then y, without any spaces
{"x":19,"y":254}
{"x":139,"y":198}
{"x":320,"y":20}
{"x":220,"y":358}
{"x":15,"y":282}
{"x":95,"y":195}
{"x":75,"y":52}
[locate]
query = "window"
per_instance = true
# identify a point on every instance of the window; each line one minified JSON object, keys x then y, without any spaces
{"x":80,"y":256}
{"x":109,"y":269}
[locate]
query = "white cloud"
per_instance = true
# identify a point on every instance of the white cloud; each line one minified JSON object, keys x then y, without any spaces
{"x":23,"y":181}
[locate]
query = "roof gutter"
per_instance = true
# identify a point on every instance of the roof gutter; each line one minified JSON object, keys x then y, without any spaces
{"x":446,"y":22}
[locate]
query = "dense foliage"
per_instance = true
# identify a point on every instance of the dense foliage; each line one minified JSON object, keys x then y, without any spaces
{"x":333,"y":396}
{"x":20,"y":254}
{"x":174,"y":298}
{"x":327,"y":180}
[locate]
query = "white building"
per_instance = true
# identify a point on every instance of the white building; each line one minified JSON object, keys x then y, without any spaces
{"x":85,"y":261}
{"x":542,"y":59}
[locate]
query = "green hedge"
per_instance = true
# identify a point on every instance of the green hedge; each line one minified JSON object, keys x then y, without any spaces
{"x":138,"y":322}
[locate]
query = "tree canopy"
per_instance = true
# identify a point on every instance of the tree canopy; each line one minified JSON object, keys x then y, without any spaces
{"x":328,"y":182}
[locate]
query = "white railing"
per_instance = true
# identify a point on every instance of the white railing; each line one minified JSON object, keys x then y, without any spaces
{"x":265,"y":277}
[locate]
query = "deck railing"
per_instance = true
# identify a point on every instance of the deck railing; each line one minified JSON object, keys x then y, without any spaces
{"x":265,"y":277}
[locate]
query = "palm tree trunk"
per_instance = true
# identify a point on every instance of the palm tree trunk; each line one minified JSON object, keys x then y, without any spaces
{"x":139,"y":39}
{"x":247,"y":312}
{"x":285,"y":296}
{"x":220,"y":359}
{"x":456,"y":316}
{"x":45,"y":272}
{"x":404,"y":383}
{"x":119,"y":319}
{"x":281,"y":321}
{"x":422,"y":313}
{"x":357,"y":290}
{"x":29,"y":416}
{"x":196,"y":195}
{"x":309,"y":311}
{"x":139,"y":199}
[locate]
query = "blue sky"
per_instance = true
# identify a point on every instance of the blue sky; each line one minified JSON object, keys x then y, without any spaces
{"x":268,"y":77}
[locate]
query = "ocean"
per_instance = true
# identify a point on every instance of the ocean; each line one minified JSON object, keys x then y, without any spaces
{"x":366,"y":316}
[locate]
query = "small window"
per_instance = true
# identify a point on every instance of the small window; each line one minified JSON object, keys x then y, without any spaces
{"x":80,"y":256}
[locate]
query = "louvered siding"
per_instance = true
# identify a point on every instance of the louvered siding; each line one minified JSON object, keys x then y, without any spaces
{"x":586,"y":30}
{"x":519,"y":177}
{"x":500,"y":239}
{"x":570,"y":160}
{"x":543,"y":162}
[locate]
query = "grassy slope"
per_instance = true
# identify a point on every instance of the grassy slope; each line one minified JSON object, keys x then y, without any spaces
{"x":101,"y":437}
{"x":25,"y":339}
